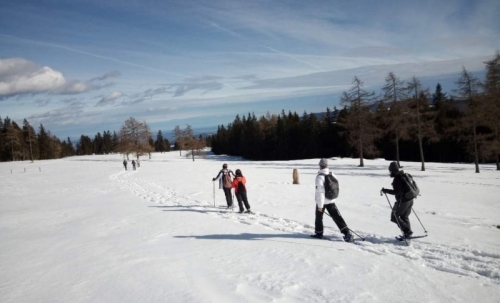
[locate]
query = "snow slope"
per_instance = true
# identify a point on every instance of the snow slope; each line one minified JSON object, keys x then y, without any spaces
{"x":82,"y":229}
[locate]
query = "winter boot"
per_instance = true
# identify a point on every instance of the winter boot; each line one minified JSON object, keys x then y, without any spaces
{"x":348,"y":237}
{"x":408,"y":234}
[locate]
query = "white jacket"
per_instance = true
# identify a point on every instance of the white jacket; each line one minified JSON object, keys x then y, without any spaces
{"x":320,"y":188}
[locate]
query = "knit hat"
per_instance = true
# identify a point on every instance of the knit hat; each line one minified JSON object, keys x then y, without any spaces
{"x":323,"y":163}
{"x":393,"y":167}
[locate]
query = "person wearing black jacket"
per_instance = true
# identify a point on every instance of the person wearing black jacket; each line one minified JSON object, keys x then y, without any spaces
{"x":402,"y":208}
{"x":227,"y":189}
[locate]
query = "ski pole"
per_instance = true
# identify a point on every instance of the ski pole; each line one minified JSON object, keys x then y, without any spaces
{"x":347,"y":227}
{"x":419,"y":220}
{"x":213,"y":183}
{"x":397,"y":221}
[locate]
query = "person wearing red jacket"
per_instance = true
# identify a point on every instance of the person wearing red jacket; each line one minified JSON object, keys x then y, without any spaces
{"x":240,"y":190}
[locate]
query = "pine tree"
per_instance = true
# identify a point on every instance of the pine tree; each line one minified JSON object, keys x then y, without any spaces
{"x":160,"y":142}
{"x":13,"y":138}
{"x":44,"y":143}
{"x":30,"y":141}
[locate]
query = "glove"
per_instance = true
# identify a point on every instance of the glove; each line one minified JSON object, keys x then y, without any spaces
{"x":213,"y":179}
{"x":384,"y":190}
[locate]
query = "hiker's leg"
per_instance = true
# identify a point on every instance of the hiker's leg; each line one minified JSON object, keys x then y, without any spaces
{"x":405,"y":214}
{"x":397,"y":215}
{"x":337,"y":218}
{"x":240,"y":202}
{"x":229,"y":199}
{"x":318,"y":223}
{"x":245,"y":200}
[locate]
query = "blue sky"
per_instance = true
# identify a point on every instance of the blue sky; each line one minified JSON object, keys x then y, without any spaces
{"x":82,"y":67}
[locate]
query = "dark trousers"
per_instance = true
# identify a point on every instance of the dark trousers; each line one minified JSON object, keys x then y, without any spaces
{"x":227,"y":192}
{"x":242,"y":198}
{"x":402,"y":211}
{"x":337,"y":218}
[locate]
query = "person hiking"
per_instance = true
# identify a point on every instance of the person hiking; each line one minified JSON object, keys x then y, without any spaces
{"x":133,"y":164}
{"x":125,"y":163}
{"x":323,"y":203}
{"x":402,"y":208}
{"x":225,"y":183}
{"x":240,"y":191}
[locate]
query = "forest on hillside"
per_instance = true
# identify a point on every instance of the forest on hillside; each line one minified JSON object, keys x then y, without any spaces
{"x":406,"y":122}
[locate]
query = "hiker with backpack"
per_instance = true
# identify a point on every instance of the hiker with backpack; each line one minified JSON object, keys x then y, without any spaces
{"x":326,"y":194}
{"x":404,"y":198}
{"x":226,"y":183}
{"x":125,"y":163}
{"x":133,"y":164}
{"x":240,"y":190}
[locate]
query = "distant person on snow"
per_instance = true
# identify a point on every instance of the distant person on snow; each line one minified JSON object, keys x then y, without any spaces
{"x":402,"y":208}
{"x":226,"y":183}
{"x":133,"y":164}
{"x":125,"y":163}
{"x":240,"y":191}
{"x":323,"y":203}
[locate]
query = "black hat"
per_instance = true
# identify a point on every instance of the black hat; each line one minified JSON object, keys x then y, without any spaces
{"x":394,"y":167}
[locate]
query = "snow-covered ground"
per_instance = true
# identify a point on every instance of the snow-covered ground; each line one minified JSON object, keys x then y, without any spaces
{"x":85,"y":230}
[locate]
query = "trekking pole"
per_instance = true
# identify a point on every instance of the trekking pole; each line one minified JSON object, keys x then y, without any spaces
{"x":419,"y":220}
{"x":213,"y":183}
{"x":397,"y":221}
{"x":347,"y":227}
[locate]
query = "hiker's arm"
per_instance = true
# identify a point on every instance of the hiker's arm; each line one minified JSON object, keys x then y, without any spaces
{"x":319,"y":195}
{"x":218,"y":175}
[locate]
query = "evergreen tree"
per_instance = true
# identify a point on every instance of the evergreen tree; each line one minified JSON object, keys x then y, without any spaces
{"x":438,"y":96}
{"x":98,"y":144}
{"x":160,"y":142}
{"x":12,"y":138}
{"x":44,"y":143}
{"x":107,"y":144}
{"x":30,"y":142}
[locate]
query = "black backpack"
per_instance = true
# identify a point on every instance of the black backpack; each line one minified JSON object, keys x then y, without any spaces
{"x":410,"y":187}
{"x":331,"y":186}
{"x":241,"y":188}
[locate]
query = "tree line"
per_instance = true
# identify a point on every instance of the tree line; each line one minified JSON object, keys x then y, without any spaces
{"x":25,"y":143}
{"x":405,"y":122}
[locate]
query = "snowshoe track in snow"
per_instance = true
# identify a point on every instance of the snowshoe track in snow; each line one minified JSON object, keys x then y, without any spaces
{"x":464,"y":261}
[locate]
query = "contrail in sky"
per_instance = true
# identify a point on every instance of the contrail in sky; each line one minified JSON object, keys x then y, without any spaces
{"x":94,"y":55}
{"x":264,"y":46}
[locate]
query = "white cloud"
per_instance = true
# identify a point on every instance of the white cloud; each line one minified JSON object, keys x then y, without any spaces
{"x":19,"y":76}
{"x":108,"y":100}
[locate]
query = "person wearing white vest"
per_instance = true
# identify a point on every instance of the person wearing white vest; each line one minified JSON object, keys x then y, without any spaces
{"x":323,"y":203}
